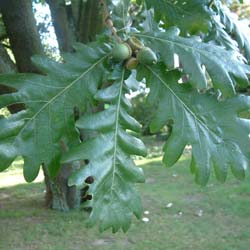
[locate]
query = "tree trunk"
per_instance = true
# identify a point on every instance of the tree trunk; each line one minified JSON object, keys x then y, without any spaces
{"x":91,"y":20}
{"x":78,"y":22}
{"x":21,"y":29}
{"x":61,"y":19}
{"x":59,"y":195}
{"x":24,"y":39}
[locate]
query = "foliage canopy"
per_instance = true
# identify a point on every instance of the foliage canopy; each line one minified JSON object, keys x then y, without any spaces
{"x":202,"y":64}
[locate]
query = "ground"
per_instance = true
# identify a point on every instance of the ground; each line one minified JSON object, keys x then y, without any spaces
{"x":200,"y":218}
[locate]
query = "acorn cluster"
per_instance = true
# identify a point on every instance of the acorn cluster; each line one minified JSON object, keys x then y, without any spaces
{"x":133,"y":52}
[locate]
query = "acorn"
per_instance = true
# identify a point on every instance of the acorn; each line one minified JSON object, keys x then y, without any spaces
{"x":121,"y":52}
{"x":146,"y":56}
{"x":135,"y":44}
{"x":132,"y":63}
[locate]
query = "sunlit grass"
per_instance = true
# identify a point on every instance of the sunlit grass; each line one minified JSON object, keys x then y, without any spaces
{"x":14,"y":175}
{"x":223,"y":224}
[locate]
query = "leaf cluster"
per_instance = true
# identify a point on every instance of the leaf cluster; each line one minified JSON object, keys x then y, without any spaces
{"x":202,"y":62}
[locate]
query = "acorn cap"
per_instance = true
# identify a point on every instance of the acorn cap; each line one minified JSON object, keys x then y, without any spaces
{"x":135,"y":44}
{"x":131,"y":63}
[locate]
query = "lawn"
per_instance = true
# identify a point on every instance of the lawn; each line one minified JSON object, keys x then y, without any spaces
{"x":215,"y":217}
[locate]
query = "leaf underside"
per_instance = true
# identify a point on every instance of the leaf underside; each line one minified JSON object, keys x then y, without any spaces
{"x":213,"y":128}
{"x":115,"y":199}
{"x":223,"y":67}
{"x":35,"y":133}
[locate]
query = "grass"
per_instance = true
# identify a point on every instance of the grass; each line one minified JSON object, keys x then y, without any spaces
{"x":224,"y":223}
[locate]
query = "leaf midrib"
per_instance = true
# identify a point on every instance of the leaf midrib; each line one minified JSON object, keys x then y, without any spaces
{"x":175,"y":43}
{"x":62,"y":92}
{"x":178,"y":9}
{"x":116,"y":131}
{"x":219,"y":139}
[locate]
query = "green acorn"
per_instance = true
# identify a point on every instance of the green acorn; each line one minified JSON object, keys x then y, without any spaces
{"x":146,"y":56}
{"x":121,"y":52}
{"x":132,"y":63}
{"x":135,"y":44}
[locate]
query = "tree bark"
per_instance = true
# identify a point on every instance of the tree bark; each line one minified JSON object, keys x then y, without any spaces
{"x":91,"y":20}
{"x":24,"y":39}
{"x":59,"y":195}
{"x":21,"y":29}
{"x":78,"y":22}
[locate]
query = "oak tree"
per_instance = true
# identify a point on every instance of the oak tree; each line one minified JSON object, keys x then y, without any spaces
{"x":75,"y":120}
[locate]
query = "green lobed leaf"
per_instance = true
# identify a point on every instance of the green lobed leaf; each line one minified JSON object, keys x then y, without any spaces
{"x":119,"y":10}
{"x":232,"y":27}
{"x":190,"y":16}
{"x":37,"y":133}
{"x":9,"y":128}
{"x":223,"y":67}
{"x":114,"y":199}
{"x":218,"y":136}
{"x":219,"y":36}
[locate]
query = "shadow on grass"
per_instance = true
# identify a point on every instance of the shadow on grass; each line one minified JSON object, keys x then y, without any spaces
{"x":21,"y":200}
{"x":202,"y":218}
